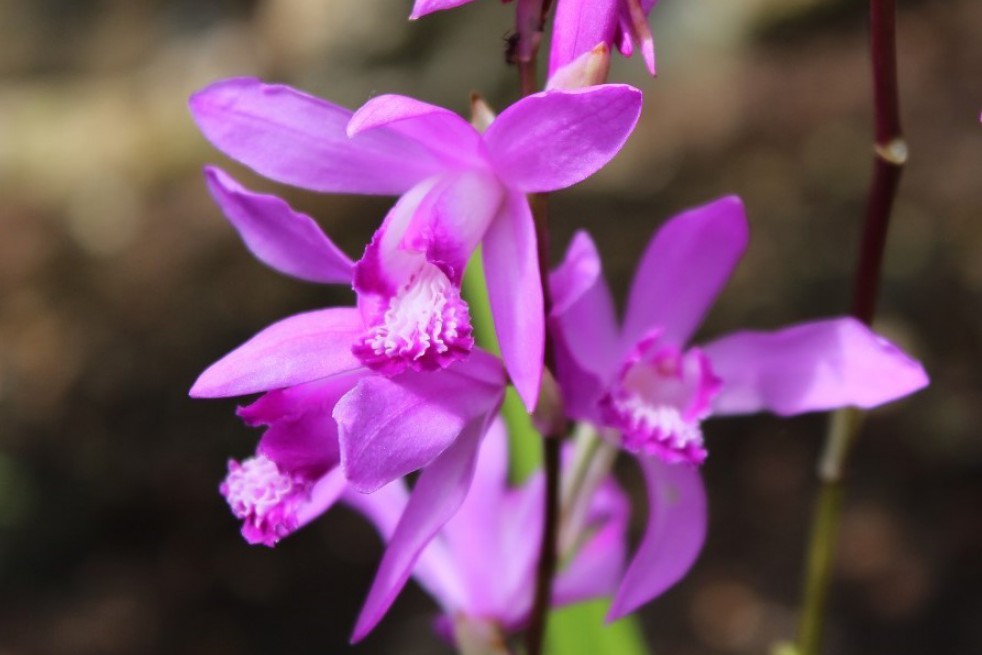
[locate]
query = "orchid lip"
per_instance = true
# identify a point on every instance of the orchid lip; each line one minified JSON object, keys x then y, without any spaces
{"x":659,"y":400}
{"x":265,"y":498}
{"x":426,"y":326}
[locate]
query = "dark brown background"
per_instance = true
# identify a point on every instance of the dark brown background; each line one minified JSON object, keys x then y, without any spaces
{"x":119,"y":282}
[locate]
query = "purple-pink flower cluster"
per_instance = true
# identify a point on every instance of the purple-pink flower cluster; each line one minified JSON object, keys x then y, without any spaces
{"x":354,"y":399}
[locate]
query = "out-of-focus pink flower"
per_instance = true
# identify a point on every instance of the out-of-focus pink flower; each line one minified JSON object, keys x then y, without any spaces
{"x":648,"y":382}
{"x":459,"y":188}
{"x":481,"y":565}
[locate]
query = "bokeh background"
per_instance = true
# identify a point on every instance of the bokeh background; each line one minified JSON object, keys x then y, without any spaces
{"x":120,"y":281}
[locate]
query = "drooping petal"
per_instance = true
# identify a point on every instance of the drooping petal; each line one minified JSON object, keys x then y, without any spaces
{"x":392,"y":426}
{"x":511,"y":265}
{"x":298,"y":349}
{"x":683,"y":269}
{"x":579,"y":25}
{"x":673,"y":537}
{"x":301,"y":435}
{"x":634,"y":26}
{"x":584,"y":327}
{"x":424,"y":7}
{"x":445,"y":134}
{"x":554,"y":139}
{"x":811,"y":367}
{"x":438,"y":494}
{"x":297,"y":139}
{"x":279,"y":237}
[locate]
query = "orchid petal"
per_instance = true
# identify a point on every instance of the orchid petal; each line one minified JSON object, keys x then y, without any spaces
{"x":511,"y":264}
{"x":445,"y":134}
{"x":424,"y":7}
{"x":297,"y":139}
{"x":390,"y":427}
{"x":579,"y":25}
{"x":298,"y":349}
{"x":584,"y":326}
{"x":438,"y":494}
{"x":810,"y":367}
{"x":301,"y":436}
{"x":554,"y":139}
{"x":683,"y":269}
{"x":323,"y":495}
{"x":673,"y":537}
{"x":279,"y":237}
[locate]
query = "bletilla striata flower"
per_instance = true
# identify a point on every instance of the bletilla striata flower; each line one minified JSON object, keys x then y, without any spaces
{"x":458,"y":188}
{"x":647,"y":382}
{"x":333,"y":424}
{"x":481,"y":565}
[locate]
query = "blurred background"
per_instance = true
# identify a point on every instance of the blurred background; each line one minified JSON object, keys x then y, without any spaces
{"x":120,"y":282}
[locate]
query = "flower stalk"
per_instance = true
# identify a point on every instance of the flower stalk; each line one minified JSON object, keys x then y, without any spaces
{"x":890,"y":155}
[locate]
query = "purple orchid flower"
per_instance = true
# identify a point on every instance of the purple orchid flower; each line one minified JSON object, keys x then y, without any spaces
{"x":333,"y":424}
{"x":481,"y":565}
{"x":579,"y":26}
{"x":648,"y":383}
{"x":459,"y":188}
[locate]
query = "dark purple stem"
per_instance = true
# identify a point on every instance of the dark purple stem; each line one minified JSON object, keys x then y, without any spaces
{"x":890,"y":154}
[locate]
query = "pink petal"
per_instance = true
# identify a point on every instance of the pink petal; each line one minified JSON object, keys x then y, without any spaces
{"x":438,"y":494}
{"x":298,"y":349}
{"x":424,"y":7}
{"x":301,"y":436}
{"x":579,"y":25}
{"x":811,"y":367}
{"x":684,"y":268}
{"x":672,"y":539}
{"x":295,"y":138}
{"x":390,"y":427}
{"x":554,"y":139}
{"x":279,"y":237}
{"x":445,"y":134}
{"x":511,"y":264}
{"x":584,"y":326}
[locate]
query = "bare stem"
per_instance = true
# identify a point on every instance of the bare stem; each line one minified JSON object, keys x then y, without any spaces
{"x":890,"y":154}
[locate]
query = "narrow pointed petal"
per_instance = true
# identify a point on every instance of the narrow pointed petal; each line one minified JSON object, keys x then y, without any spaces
{"x":554,"y":139}
{"x":672,"y":540}
{"x":298,"y":349}
{"x":297,"y":139}
{"x":424,"y":7}
{"x":683,"y":270}
{"x":511,"y":264}
{"x":579,"y":25}
{"x":390,"y":427}
{"x":634,"y":22}
{"x":811,"y":367}
{"x":283,"y":239}
{"x":438,"y":494}
{"x":584,"y":326}
{"x":445,"y":134}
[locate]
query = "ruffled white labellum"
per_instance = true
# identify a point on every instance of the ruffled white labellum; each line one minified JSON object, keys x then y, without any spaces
{"x":660,"y":399}
{"x":265,"y":498}
{"x":426,"y":326}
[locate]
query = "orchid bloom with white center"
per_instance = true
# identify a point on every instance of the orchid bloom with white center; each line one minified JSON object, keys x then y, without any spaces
{"x":458,"y":188}
{"x":333,"y":424}
{"x":481,"y":565}
{"x":647,"y":382}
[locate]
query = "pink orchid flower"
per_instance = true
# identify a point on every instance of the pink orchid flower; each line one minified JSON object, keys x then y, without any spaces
{"x":333,"y":424}
{"x":645,"y":381}
{"x":459,"y":188}
{"x":579,"y":26}
{"x":481,"y":565}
